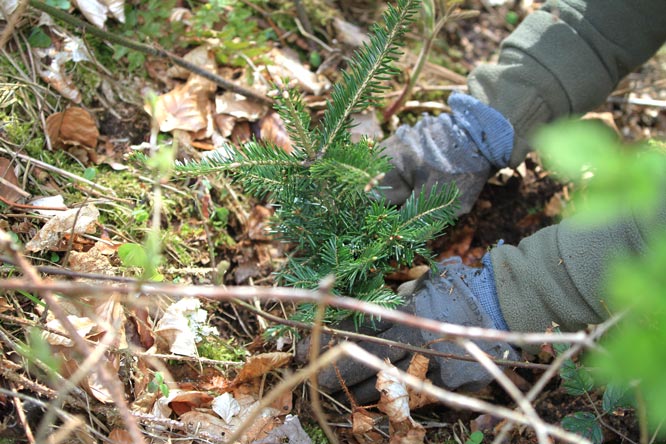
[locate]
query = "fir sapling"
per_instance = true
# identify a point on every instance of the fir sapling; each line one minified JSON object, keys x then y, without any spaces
{"x":326,"y":193}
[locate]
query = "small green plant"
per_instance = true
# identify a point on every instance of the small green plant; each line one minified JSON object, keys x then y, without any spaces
{"x":158,"y":385}
{"x":325,"y":193}
{"x":577,"y":380}
{"x":625,"y":179}
{"x":475,"y":438}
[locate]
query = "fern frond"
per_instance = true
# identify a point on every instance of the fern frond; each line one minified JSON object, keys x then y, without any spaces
{"x":368,"y":68}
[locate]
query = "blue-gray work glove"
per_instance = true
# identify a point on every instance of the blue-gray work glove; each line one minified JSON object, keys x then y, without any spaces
{"x":458,"y":295}
{"x":462,"y":147}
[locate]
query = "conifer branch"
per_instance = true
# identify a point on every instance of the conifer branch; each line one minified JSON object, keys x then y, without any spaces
{"x":296,"y":119}
{"x":370,"y":65}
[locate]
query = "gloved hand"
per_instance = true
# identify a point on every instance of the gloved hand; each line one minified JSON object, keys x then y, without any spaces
{"x":459,"y":295}
{"x":462,"y":147}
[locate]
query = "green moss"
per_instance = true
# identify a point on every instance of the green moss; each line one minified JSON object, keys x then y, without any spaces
{"x":221,"y":349}
{"x":23,"y":134}
{"x":316,"y":434}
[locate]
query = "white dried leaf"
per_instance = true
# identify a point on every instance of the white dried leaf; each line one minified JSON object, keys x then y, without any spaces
{"x":7,"y":7}
{"x":226,"y":407}
{"x":235,"y":105}
{"x":394,"y":399}
{"x":291,"y":432}
{"x":93,"y":10}
{"x":285,"y":66}
{"x":116,"y":8}
{"x":183,"y":325}
{"x":74,"y":221}
{"x":83,"y":326}
{"x":49,"y":201}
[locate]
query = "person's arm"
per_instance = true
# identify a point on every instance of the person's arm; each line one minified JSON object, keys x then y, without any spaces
{"x":557,"y":274}
{"x":566,"y":58}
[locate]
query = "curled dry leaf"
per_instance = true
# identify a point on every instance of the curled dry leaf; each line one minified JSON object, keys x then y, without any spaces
{"x":55,"y":76}
{"x":74,"y":221}
{"x":418,"y":367}
{"x":394,"y":399}
{"x":394,"y":402}
{"x":9,"y":186}
{"x":363,"y":421}
{"x":258,"y":365}
{"x":72,"y":127}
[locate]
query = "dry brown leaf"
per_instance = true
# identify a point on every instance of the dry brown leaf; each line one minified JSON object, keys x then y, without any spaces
{"x":74,"y":221}
{"x":418,"y":367}
{"x":363,"y":422}
{"x":258,"y":365}
{"x":205,"y":421}
{"x":606,"y":118}
{"x":9,"y":187}
{"x":120,"y":436}
{"x":186,"y":401}
{"x":238,"y":106}
{"x":4,"y":305}
{"x":72,"y":127}
{"x":92,"y":261}
{"x":366,"y":124}
{"x":286,"y":65}
{"x":180,"y":108}
{"x":272,"y":129}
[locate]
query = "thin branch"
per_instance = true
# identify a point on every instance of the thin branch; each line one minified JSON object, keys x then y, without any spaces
{"x":296,"y":295}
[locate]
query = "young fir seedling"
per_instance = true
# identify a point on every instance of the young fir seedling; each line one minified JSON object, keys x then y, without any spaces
{"x":328,"y":205}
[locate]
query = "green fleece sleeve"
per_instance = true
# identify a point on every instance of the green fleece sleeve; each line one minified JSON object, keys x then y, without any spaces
{"x":557,"y":274}
{"x":566,"y":58}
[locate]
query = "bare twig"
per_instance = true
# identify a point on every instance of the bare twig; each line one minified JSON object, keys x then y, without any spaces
{"x":295,"y":295}
{"x":509,"y":387}
{"x":62,"y":172}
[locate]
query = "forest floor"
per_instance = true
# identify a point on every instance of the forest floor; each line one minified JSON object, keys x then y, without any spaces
{"x":212,"y":233}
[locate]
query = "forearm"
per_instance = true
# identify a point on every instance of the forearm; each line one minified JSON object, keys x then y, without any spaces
{"x":557,"y":275}
{"x":566,"y":59}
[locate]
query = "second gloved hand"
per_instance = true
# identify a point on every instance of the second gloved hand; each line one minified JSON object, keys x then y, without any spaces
{"x":459,"y":295}
{"x":462,"y":147}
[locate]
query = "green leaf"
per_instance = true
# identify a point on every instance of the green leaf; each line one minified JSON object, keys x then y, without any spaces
{"x":60,"y":4}
{"x":576,"y":380}
{"x":616,"y":396}
{"x":133,"y":255}
{"x":584,"y":424}
{"x":39,"y":39}
{"x":512,"y":18}
{"x":90,"y":173}
{"x":475,"y":438}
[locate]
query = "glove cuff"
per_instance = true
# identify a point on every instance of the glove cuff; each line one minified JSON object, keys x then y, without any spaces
{"x":483,"y":287}
{"x":492,"y":133}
